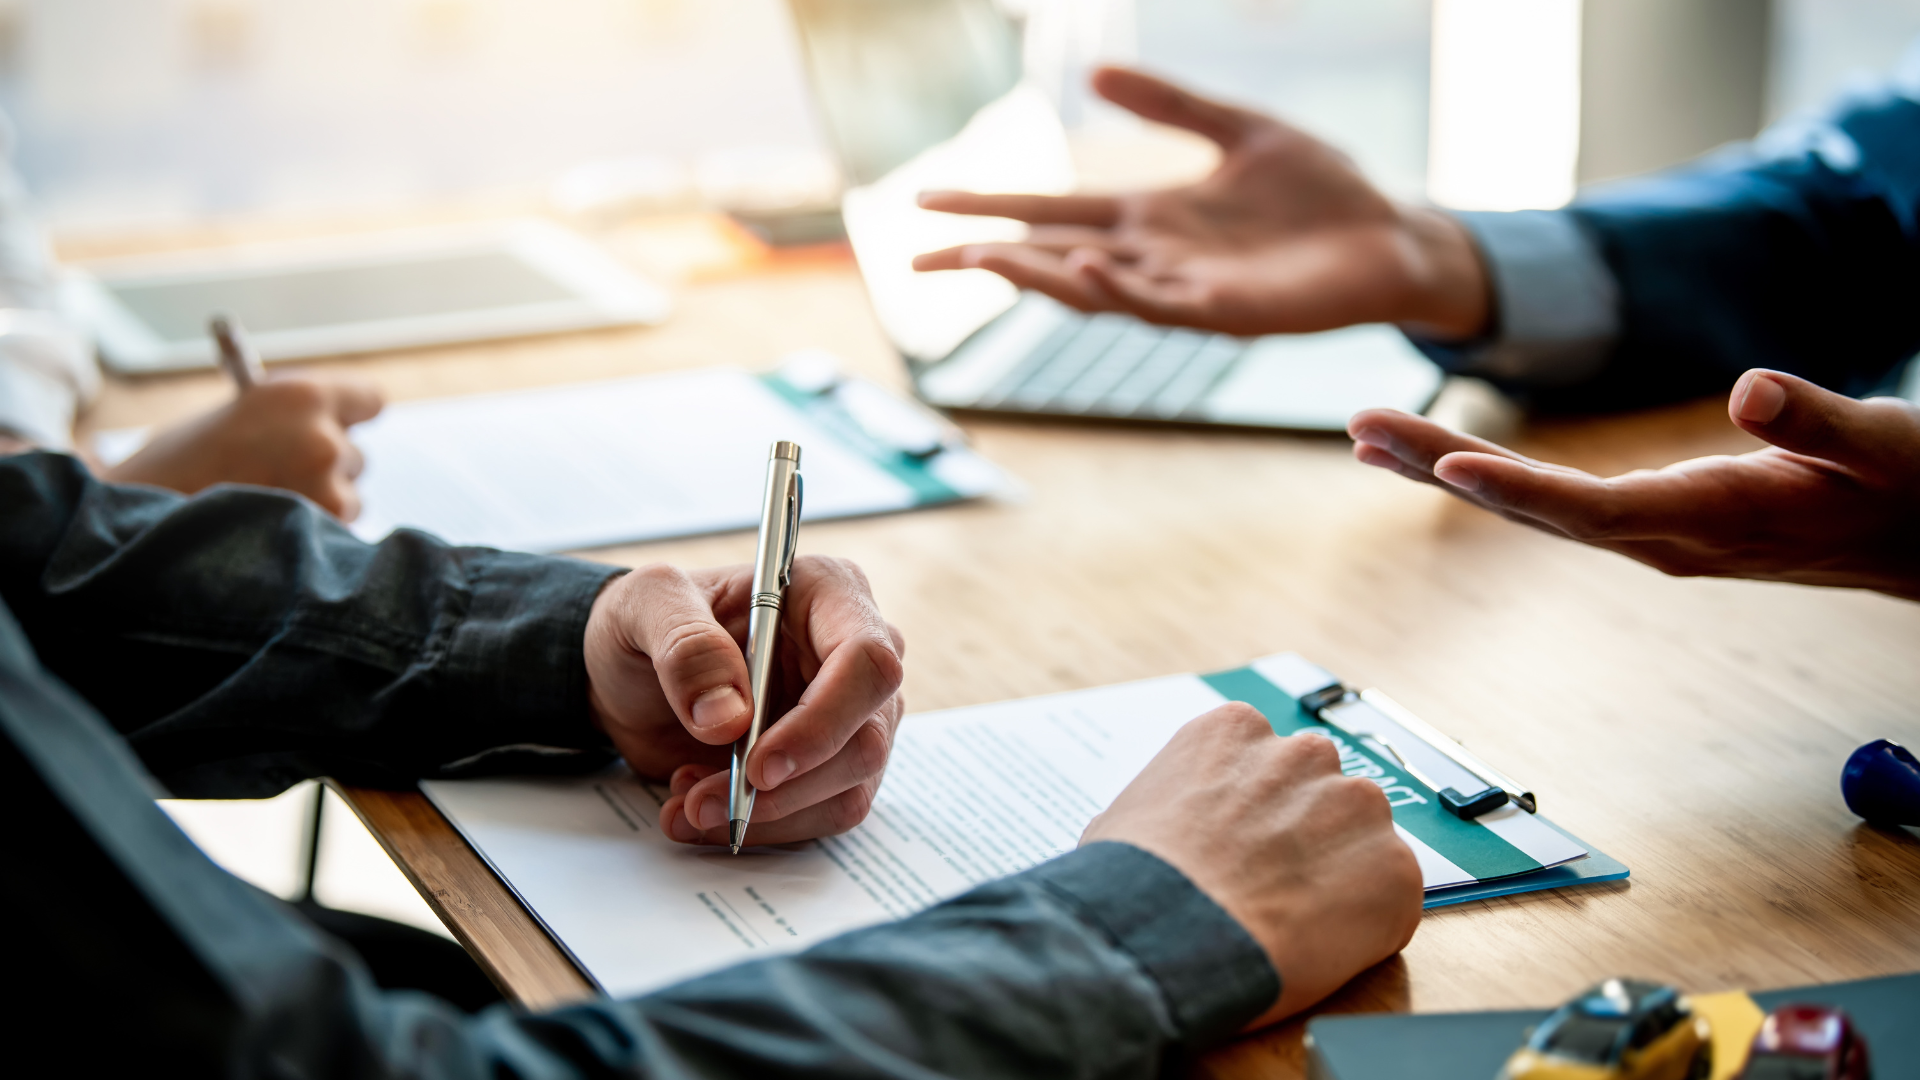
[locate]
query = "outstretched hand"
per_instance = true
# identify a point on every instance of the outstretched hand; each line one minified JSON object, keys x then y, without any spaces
{"x":288,"y":432}
{"x":1286,"y":236}
{"x":1834,"y":501}
{"x":667,"y":681}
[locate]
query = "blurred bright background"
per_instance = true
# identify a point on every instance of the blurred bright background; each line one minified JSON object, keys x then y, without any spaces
{"x":154,"y":112}
{"x":134,"y":115}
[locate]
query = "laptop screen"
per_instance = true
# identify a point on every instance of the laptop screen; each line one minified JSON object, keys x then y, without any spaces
{"x":922,"y":95}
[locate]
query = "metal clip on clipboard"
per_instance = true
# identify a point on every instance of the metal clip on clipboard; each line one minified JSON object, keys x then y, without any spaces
{"x":889,"y":421}
{"x":1467,"y":786}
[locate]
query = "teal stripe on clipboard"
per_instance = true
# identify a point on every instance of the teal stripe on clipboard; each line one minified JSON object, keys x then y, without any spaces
{"x":1477,"y":850}
{"x":822,"y":410}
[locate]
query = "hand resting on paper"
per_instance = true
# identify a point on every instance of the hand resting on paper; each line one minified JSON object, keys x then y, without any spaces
{"x":1303,"y":857}
{"x":1285,"y":236}
{"x":667,"y":681}
{"x":1834,"y":501}
{"x":289,"y":433}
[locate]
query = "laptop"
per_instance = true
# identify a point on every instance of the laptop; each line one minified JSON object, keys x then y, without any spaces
{"x":975,"y":343}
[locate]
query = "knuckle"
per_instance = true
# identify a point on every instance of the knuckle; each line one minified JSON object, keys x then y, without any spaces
{"x":315,"y":452}
{"x":1584,"y":526}
{"x":876,"y":651}
{"x":870,"y":750}
{"x":852,"y":570}
{"x":1318,"y":753}
{"x":850,"y":807}
{"x":694,"y":644}
{"x":1365,"y":795}
{"x":1241,"y":717}
{"x":655,"y":575}
{"x":1597,"y":521}
{"x":298,"y":393}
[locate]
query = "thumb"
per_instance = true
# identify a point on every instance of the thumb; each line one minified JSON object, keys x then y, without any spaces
{"x":1794,"y":414}
{"x":353,"y":400}
{"x":701,"y":670}
{"x":1162,"y":102}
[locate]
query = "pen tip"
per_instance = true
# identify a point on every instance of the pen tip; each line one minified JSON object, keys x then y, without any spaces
{"x":736,"y":834}
{"x":735,"y":848}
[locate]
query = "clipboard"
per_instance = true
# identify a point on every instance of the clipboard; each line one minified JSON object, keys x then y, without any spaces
{"x":1430,"y":779}
{"x":654,"y":457}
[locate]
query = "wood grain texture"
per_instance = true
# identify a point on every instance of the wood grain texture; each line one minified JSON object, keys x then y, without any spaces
{"x":480,"y":911}
{"x":1694,"y":729}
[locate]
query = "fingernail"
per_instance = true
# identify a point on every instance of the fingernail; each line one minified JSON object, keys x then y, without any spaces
{"x":776,"y":770}
{"x":711,"y":814}
{"x":1762,"y":402}
{"x":721,"y":705}
{"x":1454,"y":476}
{"x":1374,"y":437}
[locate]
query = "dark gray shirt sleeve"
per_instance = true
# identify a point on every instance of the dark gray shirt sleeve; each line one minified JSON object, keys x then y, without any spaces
{"x":243,"y":640}
{"x":1106,"y":962}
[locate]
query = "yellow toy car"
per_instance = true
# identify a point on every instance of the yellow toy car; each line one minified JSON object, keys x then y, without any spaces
{"x":1622,"y":1029}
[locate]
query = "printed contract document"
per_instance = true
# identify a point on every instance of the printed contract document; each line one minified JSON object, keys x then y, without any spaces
{"x":569,"y":467}
{"x":971,"y":794}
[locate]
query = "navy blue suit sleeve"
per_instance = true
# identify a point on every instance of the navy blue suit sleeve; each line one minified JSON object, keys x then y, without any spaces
{"x":1799,"y":252}
{"x":242,"y":640}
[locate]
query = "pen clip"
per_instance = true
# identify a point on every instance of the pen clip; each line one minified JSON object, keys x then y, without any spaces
{"x":796,"y":492}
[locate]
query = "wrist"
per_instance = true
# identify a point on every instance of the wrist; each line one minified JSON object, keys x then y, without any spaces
{"x":598,"y":645}
{"x":1451,"y":294}
{"x":1217,"y":978}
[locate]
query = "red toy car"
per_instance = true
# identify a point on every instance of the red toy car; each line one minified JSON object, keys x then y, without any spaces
{"x":1807,"y":1042}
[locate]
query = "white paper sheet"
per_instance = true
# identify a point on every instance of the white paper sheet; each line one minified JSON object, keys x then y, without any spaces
{"x":602,"y":463}
{"x":971,"y":794}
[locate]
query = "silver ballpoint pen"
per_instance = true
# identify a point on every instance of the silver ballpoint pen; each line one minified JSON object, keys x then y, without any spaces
{"x":237,"y":354}
{"x":772,"y":570}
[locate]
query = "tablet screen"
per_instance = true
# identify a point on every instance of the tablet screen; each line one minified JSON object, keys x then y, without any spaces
{"x":298,"y":299}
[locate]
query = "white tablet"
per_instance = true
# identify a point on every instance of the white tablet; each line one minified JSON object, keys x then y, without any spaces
{"x":355,"y":294}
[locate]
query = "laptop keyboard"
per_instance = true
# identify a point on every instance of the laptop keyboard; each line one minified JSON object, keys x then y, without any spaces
{"x":1117,"y":366}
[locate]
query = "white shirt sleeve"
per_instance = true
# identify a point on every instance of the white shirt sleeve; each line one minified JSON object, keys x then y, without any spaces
{"x":1557,"y":304}
{"x":47,"y":367}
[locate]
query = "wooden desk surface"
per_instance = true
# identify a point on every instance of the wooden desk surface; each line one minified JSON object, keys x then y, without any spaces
{"x":1693,"y":729}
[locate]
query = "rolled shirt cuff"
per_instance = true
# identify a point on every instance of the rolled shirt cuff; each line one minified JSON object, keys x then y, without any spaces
{"x":1557,"y":301}
{"x":1214,"y":977}
{"x":514,"y":666}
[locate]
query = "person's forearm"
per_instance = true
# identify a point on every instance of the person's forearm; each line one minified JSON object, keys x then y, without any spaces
{"x":1102,"y":963}
{"x":1797,"y":254}
{"x":242,"y":639}
{"x":1789,"y":256}
{"x":1789,"y":262}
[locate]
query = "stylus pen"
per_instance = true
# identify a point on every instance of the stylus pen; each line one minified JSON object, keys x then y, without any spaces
{"x":772,"y":570}
{"x":237,"y":354}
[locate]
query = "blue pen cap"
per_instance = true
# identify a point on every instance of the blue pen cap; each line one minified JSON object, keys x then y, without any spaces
{"x":1881,"y":783}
